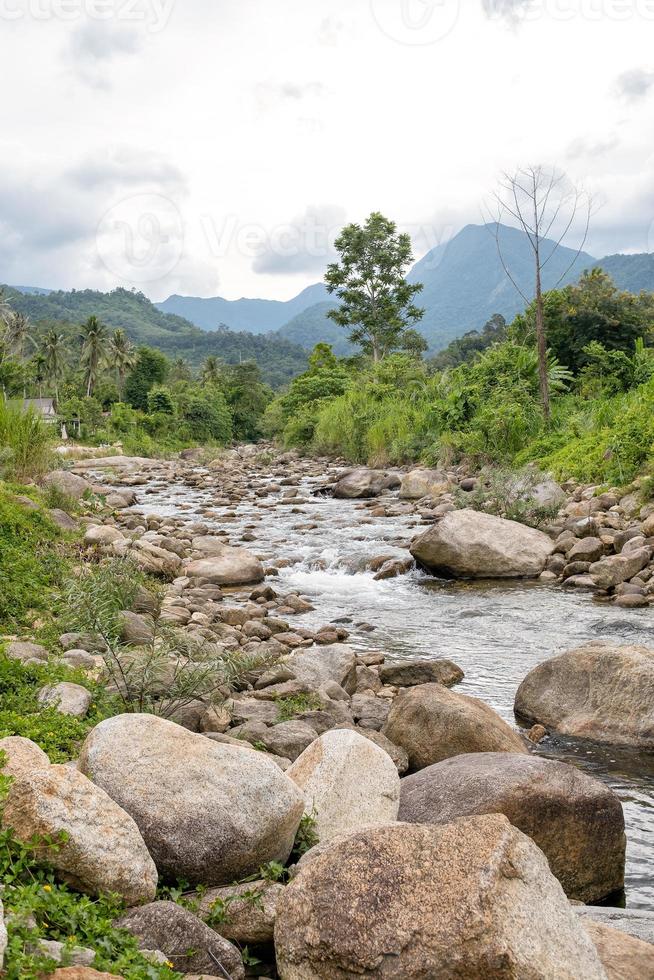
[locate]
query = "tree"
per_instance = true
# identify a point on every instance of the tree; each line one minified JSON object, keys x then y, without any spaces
{"x":376,"y":300}
{"x":53,"y":351}
{"x":150,"y":368}
{"x":93,"y":336}
{"x":180,"y":370}
{"x":546,"y":207}
{"x":247,"y":397}
{"x":121,"y":356}
{"x":18,"y":333}
{"x":211,"y":373}
{"x":38,"y":371}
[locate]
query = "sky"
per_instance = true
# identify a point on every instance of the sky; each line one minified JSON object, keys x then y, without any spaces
{"x":216,"y":147}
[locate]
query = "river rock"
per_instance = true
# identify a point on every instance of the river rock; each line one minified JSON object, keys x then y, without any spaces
{"x":609,"y":572}
{"x":623,"y":957}
{"x":183,"y":937}
{"x":81,"y":973}
{"x":364,"y":483}
{"x":318,"y":666}
{"x":98,"y":535}
{"x":104,"y":851}
{"x":472,"y":899}
{"x":432,"y":724}
{"x":209,"y":812}
{"x":635,"y":922}
{"x":136,"y":629}
{"x":22,"y":756}
{"x":67,"y":698}
{"x":68,"y":483}
{"x":421,"y":482}
{"x":231,"y":566}
{"x":470,"y":544}
{"x":409,"y":673}
{"x":154,"y":560}
{"x":26,"y":651}
{"x":288,"y":739}
{"x":370,"y":711}
{"x":576,"y":821}
{"x":347,"y":782}
{"x":598,"y":691}
{"x":250,"y":910}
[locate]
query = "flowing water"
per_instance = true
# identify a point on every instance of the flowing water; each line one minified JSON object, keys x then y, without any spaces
{"x":495,"y":631}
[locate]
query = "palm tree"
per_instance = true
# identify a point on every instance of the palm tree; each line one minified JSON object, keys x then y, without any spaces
{"x":93,"y":335}
{"x":53,"y":351}
{"x":38,"y":370}
{"x":211,"y":370}
{"x":181,"y":370}
{"x":121,"y":356}
{"x":18,"y":333}
{"x":5,"y":309}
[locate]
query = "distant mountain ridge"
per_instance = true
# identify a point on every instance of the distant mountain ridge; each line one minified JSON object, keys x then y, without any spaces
{"x":463,"y":279}
{"x":464,"y":285}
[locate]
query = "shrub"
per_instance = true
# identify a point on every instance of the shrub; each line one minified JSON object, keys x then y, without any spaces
{"x":25,"y":444}
{"x":510,"y":494}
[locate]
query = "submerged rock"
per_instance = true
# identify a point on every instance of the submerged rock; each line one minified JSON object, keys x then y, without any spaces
{"x":471,"y":544}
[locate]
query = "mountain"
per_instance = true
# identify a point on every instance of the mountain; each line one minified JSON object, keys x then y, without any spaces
{"x":465,"y":283}
{"x":634,"y":273}
{"x":35,"y":290}
{"x":254,"y":315}
{"x":314,"y":323}
{"x":278,"y":358}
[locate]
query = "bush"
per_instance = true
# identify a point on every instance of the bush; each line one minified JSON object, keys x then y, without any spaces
{"x":25,"y":444}
{"x":510,"y":494}
{"x":33,"y":559}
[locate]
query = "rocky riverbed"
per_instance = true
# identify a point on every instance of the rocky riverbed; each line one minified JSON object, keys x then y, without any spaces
{"x":405,"y":624}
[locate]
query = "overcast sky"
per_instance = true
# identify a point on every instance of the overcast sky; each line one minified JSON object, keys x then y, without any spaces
{"x":215,"y":146}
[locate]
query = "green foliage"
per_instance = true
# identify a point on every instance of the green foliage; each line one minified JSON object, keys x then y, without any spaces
{"x":376,"y":301}
{"x":305,"y":838}
{"x":32,"y":559}
{"x":25,"y":443}
{"x":150,"y":369}
{"x":510,"y":493}
{"x":38,"y":907}
{"x":296,"y":704}
{"x":60,"y":736}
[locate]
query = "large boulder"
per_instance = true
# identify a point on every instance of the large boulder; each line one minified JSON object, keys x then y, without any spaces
{"x":67,"y":483}
{"x":471,"y":899}
{"x":26,"y":652}
{"x":68,"y":699}
{"x":609,"y":572}
{"x":183,"y":938}
{"x":638,"y":923}
{"x":225,"y":565}
{"x":423,"y":483}
{"x":470,"y":544}
{"x":622,"y":956}
{"x":576,"y":821}
{"x":433,"y":723}
{"x":209,"y":812}
{"x":154,"y":560}
{"x":598,"y":691}
{"x":103,"y":850}
{"x":319,"y":666}
{"x":364,"y":483}
{"x":347,"y":782}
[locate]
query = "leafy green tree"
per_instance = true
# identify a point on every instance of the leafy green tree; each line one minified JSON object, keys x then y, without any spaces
{"x":121,"y":356}
{"x":38,"y":371}
{"x":18,"y":333}
{"x":150,"y":368}
{"x":208,"y":418}
{"x":159,"y":401}
{"x":180,"y":370}
{"x":247,"y":397}
{"x":594,"y":310}
{"x":94,"y":350}
{"x":55,"y":358}
{"x":376,"y":301}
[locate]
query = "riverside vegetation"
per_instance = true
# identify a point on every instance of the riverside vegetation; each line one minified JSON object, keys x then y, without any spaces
{"x":196,"y":784}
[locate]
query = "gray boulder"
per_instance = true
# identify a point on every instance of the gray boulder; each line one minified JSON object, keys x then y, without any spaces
{"x":226,"y":566}
{"x":598,"y":691}
{"x":471,"y":544}
{"x":409,"y":673}
{"x":68,"y":483}
{"x":318,"y":666}
{"x":209,"y":812}
{"x":364,"y":483}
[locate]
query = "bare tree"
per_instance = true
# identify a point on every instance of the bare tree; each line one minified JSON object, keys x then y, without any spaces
{"x":549,"y":209}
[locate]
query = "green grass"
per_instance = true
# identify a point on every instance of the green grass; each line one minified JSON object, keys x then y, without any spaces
{"x":25,"y":444}
{"x":296,"y":704}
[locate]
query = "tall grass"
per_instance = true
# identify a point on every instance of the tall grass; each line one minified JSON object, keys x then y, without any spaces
{"x":25,"y":444}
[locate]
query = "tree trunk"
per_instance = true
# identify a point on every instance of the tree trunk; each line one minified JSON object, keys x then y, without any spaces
{"x":541,"y":342}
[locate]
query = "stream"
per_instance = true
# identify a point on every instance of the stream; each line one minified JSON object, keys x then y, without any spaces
{"x":496,"y":631}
